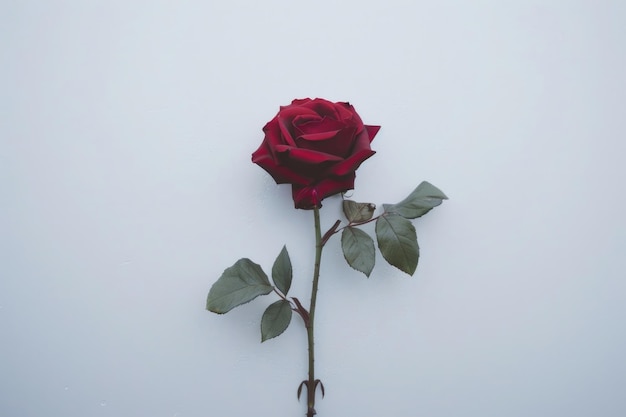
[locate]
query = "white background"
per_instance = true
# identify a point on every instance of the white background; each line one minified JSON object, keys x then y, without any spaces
{"x":126,"y":187}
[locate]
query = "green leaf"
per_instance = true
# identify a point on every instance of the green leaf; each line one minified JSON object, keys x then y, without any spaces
{"x":397,"y":242}
{"x":239,"y":284}
{"x":358,"y":212}
{"x":358,"y":249}
{"x":275,"y":320}
{"x":282,"y":271}
{"x":419,"y":202}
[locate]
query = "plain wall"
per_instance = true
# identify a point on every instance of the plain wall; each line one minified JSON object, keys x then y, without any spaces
{"x":126,"y":129}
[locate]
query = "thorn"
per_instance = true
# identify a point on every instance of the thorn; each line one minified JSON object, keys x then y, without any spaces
{"x":300,"y":388}
{"x":318,"y":382}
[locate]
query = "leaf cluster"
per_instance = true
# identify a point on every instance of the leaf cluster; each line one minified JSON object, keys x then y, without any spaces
{"x":395,"y":234}
{"x":245,"y":281}
{"x":395,"y":237}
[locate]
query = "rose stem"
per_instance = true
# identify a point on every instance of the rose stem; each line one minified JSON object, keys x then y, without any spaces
{"x":309,"y":329}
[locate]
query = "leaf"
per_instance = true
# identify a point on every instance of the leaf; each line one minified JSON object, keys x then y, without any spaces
{"x":275,"y":320}
{"x":358,"y":249}
{"x":282,"y":271}
{"x":358,"y":212}
{"x":423,"y":199}
{"x":239,"y":284}
{"x":397,"y":242}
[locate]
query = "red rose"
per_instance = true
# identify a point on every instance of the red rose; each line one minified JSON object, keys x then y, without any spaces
{"x":316,"y":146}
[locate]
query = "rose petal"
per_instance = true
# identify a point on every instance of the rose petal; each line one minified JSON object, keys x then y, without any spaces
{"x":332,"y":186}
{"x":298,"y":102}
{"x":372,"y":131}
{"x":304,"y":139}
{"x":304,"y":119}
{"x":362,"y":141}
{"x":291,"y":112}
{"x":306,"y":197}
{"x":281,"y":174}
{"x":336,"y":143}
{"x":285,"y":121}
{"x":285,"y":133}
{"x":351,"y":164}
{"x":322,"y":107}
{"x":343,"y":144}
{"x":317,"y":125}
{"x":345,"y":111}
{"x":304,"y":156}
{"x":274,"y":135}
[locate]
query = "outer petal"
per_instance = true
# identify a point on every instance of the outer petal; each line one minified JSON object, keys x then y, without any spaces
{"x":306,"y":163}
{"x":363,"y":139}
{"x":307,"y":197}
{"x":274,"y":135}
{"x":372,"y":131}
{"x":298,"y":102}
{"x":304,"y":157}
{"x":332,"y":186}
{"x":281,"y":174}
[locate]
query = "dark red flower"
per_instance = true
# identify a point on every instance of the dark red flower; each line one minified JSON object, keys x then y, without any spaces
{"x":316,"y":146}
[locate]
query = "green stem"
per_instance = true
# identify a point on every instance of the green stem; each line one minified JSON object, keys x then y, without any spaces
{"x":311,"y":385}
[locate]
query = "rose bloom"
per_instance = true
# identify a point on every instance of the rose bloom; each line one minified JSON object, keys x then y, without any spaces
{"x":316,"y":146}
